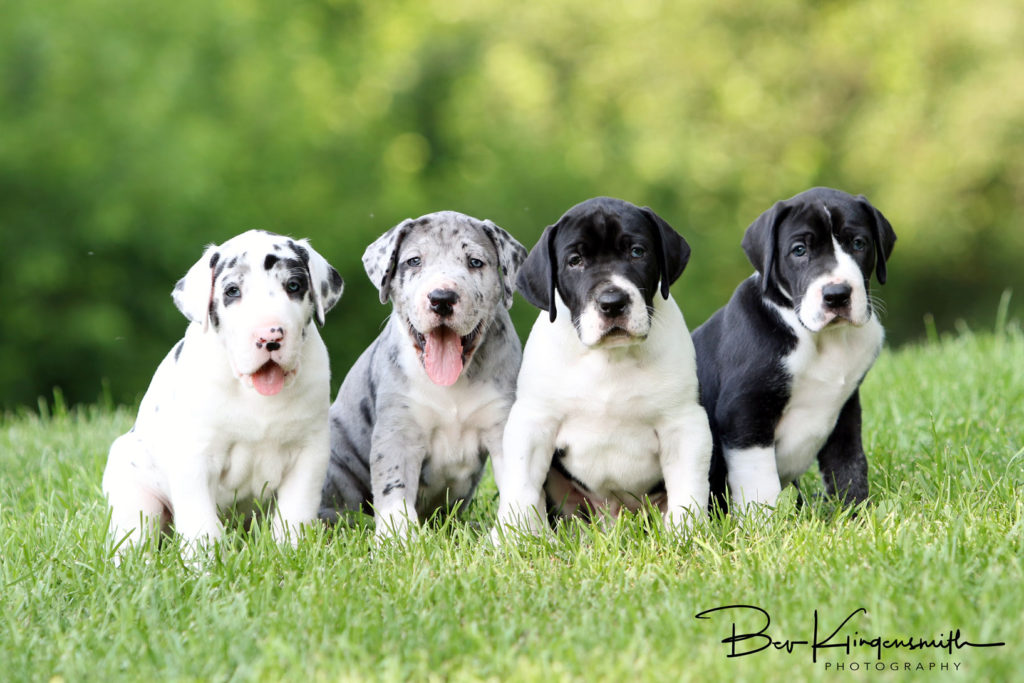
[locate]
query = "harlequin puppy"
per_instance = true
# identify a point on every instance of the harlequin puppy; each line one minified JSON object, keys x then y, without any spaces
{"x":781,"y":363}
{"x":606,"y":414}
{"x":237,"y":411}
{"x":426,"y":403}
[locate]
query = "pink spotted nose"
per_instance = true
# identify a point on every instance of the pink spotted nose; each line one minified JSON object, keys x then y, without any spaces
{"x":269,"y":338}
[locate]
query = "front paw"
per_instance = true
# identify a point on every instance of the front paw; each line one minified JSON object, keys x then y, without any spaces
{"x":399,"y":526}
{"x":682,"y":520}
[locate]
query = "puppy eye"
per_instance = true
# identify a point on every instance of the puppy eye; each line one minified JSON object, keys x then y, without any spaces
{"x":799,"y":249}
{"x":232,"y":291}
{"x":414,"y":262}
{"x":476,"y":263}
{"x":575,"y":261}
{"x":293,"y":285}
{"x":637,"y":252}
{"x":859,"y":244}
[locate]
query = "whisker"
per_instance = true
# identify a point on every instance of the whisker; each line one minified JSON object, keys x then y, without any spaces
{"x":877,"y":305}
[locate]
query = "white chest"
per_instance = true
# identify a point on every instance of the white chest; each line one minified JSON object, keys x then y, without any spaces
{"x":826,"y":369}
{"x":610,"y":403}
{"x":607,"y":429}
{"x":459,"y":424}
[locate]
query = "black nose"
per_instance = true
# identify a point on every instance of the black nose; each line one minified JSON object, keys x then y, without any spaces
{"x":612,"y":302}
{"x":836,"y":296}
{"x":442,"y":301}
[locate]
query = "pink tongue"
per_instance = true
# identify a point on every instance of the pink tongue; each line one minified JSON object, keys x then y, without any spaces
{"x":269,"y":379}
{"x":442,"y":356}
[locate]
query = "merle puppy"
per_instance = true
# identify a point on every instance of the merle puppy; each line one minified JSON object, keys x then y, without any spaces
{"x":780,"y":365}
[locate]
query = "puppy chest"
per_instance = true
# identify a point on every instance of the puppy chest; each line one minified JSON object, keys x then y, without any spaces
{"x":609,"y":456}
{"x":458,"y":428}
{"x":252,"y":471}
{"x":822,"y":384}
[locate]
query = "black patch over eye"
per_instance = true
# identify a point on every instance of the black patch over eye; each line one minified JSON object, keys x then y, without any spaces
{"x":476,"y":263}
{"x":574,"y":261}
{"x":293,"y":285}
{"x":799,"y":249}
{"x":414,"y":262}
{"x":232,"y":292}
{"x":637,"y":252}
{"x":859,"y":244}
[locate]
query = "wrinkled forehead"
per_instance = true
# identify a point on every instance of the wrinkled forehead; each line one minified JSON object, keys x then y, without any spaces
{"x":826,"y":218}
{"x":602,"y":230}
{"x":446,"y":233}
{"x":259,"y":252}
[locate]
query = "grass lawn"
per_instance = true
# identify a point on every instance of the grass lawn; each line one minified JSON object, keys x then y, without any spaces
{"x":940,"y":549}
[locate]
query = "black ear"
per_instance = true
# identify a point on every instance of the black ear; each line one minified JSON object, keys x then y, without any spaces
{"x":538,"y":277}
{"x":673,"y":250}
{"x":885,"y":238}
{"x":760,"y":240}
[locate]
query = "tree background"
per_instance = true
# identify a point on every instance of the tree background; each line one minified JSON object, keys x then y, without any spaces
{"x":133,"y":133}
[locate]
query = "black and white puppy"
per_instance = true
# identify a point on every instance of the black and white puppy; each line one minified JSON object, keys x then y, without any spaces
{"x":780,"y":365}
{"x":606,"y":413}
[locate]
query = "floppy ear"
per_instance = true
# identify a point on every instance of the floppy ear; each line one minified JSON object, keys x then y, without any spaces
{"x":325,"y":284}
{"x":193,"y":294}
{"x":381,"y":257}
{"x":673,"y":250}
{"x":760,"y":240}
{"x":885,"y":238}
{"x":511,"y":255}
{"x":538,"y":278}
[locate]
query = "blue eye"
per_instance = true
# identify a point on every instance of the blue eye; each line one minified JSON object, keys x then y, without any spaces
{"x":799,"y":249}
{"x":414,"y":262}
{"x":293,"y":285}
{"x":859,"y":244}
{"x":637,"y":252}
{"x":232,"y":292}
{"x":476,"y":263}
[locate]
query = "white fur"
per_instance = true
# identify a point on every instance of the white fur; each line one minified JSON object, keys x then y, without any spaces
{"x":814,"y":314}
{"x":593,"y":325}
{"x":628,"y":416}
{"x":205,"y":440}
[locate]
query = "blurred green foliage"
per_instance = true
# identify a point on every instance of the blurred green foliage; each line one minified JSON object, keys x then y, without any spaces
{"x":132,"y":133}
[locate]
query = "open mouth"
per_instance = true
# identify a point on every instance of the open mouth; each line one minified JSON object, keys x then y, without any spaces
{"x":444,"y":353}
{"x":269,"y":379}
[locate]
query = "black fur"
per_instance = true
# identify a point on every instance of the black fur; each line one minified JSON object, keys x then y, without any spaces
{"x":602,"y":232}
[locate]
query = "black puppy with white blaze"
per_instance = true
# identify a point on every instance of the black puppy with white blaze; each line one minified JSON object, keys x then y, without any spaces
{"x":780,"y":365}
{"x":606,"y":413}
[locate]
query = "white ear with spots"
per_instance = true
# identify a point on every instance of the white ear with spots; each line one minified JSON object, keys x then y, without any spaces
{"x":381,"y":257}
{"x":511,"y":255}
{"x":193,"y":294}
{"x":325,"y":283}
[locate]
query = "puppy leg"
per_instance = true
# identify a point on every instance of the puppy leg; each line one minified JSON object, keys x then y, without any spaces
{"x":753,"y":477}
{"x":685,"y":460}
{"x":747,"y":433}
{"x":195,"y":511}
{"x":298,"y":496}
{"x":843,"y":465}
{"x":397,"y":452}
{"x":527,"y":448}
{"x":137,"y":513}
